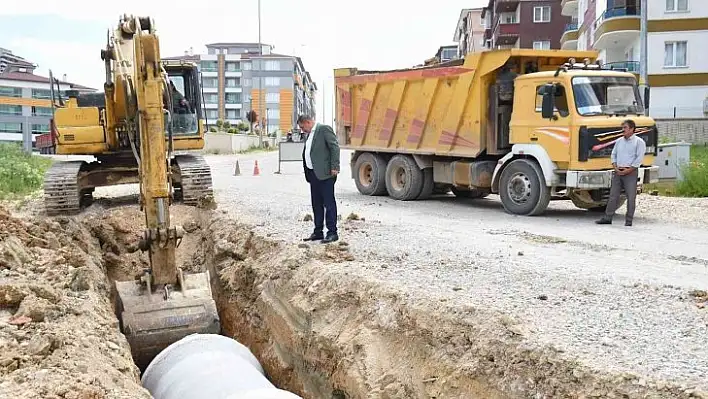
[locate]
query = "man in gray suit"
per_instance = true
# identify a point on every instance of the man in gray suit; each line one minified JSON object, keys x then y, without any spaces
{"x":320,"y":159}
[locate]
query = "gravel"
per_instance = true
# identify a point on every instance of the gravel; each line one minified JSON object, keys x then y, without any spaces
{"x":617,"y":299}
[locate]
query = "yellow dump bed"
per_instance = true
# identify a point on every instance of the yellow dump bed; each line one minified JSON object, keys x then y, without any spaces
{"x":439,"y":110}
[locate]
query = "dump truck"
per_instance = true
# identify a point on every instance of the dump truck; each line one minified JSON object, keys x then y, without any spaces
{"x":528,"y":125}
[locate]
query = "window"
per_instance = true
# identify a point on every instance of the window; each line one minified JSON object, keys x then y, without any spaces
{"x":561,"y":101}
{"x":6,"y":127}
{"x":273,"y":114}
{"x":209,"y":66}
{"x":676,"y":5}
{"x":272,"y":65}
{"x":542,"y":14}
{"x":41,"y":94}
{"x":10,"y":109}
{"x":10,"y":91}
{"x":542,"y":45}
{"x":449,"y":53}
{"x":272,"y":81}
{"x":233,"y":82}
{"x":233,"y":114}
{"x":675,"y":54}
{"x":210,"y":82}
{"x":272,"y":97}
{"x":247,"y":66}
{"x":508,"y":18}
{"x":39,"y":128}
{"x":233,"y":98}
{"x":605,"y":95}
{"x":482,"y":21}
{"x":41,"y":111}
{"x":212,"y":114}
{"x":232,"y":66}
{"x":246,"y":82}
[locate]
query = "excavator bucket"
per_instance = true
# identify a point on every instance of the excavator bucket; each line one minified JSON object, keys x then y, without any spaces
{"x":151,"y":321}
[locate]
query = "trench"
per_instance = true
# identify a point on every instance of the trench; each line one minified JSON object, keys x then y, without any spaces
{"x":318,"y":322}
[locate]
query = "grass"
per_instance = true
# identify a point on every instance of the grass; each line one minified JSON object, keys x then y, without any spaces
{"x":695,"y":174}
{"x":20,"y":173}
{"x":695,"y":177}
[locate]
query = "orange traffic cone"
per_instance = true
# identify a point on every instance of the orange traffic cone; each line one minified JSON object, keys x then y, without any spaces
{"x":237,"y":169}
{"x":256,"y":171}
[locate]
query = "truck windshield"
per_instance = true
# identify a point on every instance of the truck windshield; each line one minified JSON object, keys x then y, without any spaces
{"x":605,"y":95}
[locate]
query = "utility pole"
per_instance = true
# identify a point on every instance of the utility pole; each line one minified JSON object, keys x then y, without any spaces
{"x":644,"y":58}
{"x":260,"y":78}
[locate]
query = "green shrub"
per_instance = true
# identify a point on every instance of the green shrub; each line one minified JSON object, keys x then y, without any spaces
{"x":212,"y":129}
{"x":232,"y":130}
{"x":20,"y":173}
{"x":695,"y":174}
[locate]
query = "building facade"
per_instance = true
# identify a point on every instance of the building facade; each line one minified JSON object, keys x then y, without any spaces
{"x":237,"y":77}
{"x":536,"y":24}
{"x":25,"y":99}
{"x":676,"y":31}
{"x":469,"y":33}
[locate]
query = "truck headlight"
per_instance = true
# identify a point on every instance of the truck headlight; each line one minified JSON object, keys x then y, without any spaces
{"x":594,"y":179}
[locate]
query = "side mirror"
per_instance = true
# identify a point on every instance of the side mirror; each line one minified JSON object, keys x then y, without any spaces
{"x":646,"y":98}
{"x":548,"y":104}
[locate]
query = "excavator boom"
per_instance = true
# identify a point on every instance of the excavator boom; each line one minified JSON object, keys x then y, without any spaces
{"x":164,"y":304}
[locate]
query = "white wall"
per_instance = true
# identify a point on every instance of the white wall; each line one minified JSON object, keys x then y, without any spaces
{"x":30,"y":85}
{"x":696,"y":9}
{"x":687,"y":100}
{"x":695,"y":52}
{"x":227,"y":143}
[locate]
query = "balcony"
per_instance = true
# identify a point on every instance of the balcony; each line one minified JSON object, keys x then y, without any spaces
{"x":569,"y":40}
{"x":505,"y":6}
{"x":569,"y":8}
{"x":630,"y":66}
{"x":617,"y":28}
{"x":506,"y":34}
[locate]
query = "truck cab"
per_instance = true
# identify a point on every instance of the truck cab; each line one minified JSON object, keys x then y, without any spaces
{"x":570,"y":119}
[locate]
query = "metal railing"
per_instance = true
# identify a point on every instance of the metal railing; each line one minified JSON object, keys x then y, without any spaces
{"x":630,"y":66}
{"x":618,"y":12}
{"x":571,"y":27}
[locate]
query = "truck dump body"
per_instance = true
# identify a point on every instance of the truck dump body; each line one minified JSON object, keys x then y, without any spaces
{"x":440,"y":110}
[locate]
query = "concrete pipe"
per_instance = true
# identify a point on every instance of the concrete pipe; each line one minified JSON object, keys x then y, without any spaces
{"x":209,"y":366}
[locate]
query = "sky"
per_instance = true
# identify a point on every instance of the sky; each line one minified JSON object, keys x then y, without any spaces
{"x":67,"y":36}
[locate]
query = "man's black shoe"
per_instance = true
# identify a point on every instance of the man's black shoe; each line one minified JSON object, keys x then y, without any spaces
{"x":627,"y":223}
{"x":330,"y":238}
{"x":314,"y":237}
{"x":603,"y":221}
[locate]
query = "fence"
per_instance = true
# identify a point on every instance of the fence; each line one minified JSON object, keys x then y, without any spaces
{"x":290,"y":151}
{"x":694,"y":131}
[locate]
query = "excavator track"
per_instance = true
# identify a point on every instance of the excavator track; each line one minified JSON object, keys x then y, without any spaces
{"x":62,"y":194}
{"x":196,"y":183}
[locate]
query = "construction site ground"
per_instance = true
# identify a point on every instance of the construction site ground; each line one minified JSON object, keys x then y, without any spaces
{"x":444,"y":298}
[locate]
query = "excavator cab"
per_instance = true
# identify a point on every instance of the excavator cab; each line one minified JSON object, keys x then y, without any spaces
{"x":183,"y":100}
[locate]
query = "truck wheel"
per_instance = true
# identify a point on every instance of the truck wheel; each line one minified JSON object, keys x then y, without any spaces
{"x":370,"y":174}
{"x":522,"y":188}
{"x":469,"y":193}
{"x":428,"y":184}
{"x":404,"y":180}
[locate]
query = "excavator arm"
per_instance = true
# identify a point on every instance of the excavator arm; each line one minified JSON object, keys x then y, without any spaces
{"x":163,"y":305}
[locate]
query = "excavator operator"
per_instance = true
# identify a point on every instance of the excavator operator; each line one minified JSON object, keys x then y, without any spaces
{"x":182,"y":113}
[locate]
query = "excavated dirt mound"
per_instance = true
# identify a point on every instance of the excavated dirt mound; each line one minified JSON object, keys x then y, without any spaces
{"x":58,"y":334}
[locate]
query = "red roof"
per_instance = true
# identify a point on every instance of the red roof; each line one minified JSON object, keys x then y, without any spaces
{"x":30,"y":77}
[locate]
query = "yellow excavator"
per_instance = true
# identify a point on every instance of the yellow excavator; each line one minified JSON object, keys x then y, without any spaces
{"x":149,"y":110}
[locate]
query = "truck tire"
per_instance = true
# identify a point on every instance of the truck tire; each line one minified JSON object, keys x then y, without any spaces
{"x":428,"y":184}
{"x":469,"y":193}
{"x":370,"y":174}
{"x":404,"y":179}
{"x":522,"y":188}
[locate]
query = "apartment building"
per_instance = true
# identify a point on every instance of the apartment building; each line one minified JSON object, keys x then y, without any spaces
{"x":678,"y":73}
{"x":238,"y":77}
{"x":25,"y":98}
{"x":536,"y":24}
{"x":469,"y":33}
